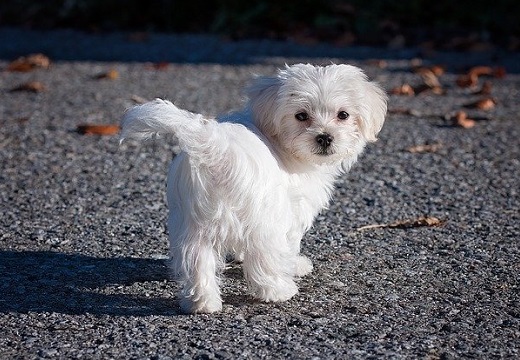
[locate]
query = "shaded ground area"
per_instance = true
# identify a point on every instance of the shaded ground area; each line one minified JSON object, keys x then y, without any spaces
{"x":441,"y":24}
{"x":83,"y":241}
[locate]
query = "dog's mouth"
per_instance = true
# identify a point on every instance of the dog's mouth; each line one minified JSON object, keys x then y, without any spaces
{"x":323,"y":151}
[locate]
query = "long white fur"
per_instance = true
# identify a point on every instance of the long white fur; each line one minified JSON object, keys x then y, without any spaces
{"x":252,"y":184}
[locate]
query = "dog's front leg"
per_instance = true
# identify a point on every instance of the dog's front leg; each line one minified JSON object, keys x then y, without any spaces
{"x":303,"y":265}
{"x":269,"y":266}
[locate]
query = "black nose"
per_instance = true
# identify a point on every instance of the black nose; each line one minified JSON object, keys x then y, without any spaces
{"x":324,"y":140}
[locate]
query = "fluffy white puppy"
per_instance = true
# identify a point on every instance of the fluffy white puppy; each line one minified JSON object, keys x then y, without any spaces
{"x":252,"y":183}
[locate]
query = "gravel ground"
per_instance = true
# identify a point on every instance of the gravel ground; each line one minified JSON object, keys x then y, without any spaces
{"x":83,"y":241}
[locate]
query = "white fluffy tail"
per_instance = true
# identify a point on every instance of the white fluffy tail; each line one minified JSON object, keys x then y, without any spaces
{"x":160,"y":117}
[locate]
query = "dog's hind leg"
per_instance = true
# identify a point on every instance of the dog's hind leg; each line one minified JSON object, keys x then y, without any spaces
{"x":201,"y":293}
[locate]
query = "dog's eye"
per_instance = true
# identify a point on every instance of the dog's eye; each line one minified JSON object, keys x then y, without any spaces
{"x":302,"y":116}
{"x":343,"y":115}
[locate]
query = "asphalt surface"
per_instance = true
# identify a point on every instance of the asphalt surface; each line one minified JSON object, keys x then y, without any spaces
{"x":82,"y":227}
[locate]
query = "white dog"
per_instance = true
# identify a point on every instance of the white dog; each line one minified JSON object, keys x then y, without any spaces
{"x":251,"y":184}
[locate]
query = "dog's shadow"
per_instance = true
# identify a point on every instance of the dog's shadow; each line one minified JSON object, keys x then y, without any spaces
{"x":45,"y":281}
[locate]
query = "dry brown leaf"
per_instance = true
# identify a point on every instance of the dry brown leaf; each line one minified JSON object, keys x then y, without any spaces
{"x":426,"y":148}
{"x":404,"y":89}
{"x":31,"y":86}
{"x":470,"y":79}
{"x":138,"y":99}
{"x":480,"y":70}
{"x":467,"y":80}
{"x":163,"y":65}
{"x":91,"y":129}
{"x":429,"y":78}
{"x":421,"y":221}
{"x":428,"y":221}
{"x":29,"y":63}
{"x":498,"y":72}
{"x":438,"y":90}
{"x":109,"y":75}
{"x":483,"y":104}
{"x":460,"y":119}
{"x":438,"y":70}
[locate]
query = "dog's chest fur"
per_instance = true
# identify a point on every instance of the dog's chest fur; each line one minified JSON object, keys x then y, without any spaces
{"x":309,"y":194}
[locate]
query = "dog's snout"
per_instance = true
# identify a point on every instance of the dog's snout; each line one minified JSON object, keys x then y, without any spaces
{"x":324,"y":140}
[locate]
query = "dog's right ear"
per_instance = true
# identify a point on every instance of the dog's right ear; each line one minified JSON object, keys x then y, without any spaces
{"x":262,"y":94}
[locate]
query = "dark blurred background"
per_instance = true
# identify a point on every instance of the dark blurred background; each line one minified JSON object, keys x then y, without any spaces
{"x":455,"y":24}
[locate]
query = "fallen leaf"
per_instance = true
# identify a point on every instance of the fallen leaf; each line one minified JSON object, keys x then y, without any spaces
{"x":426,"y":148}
{"x":485,"y":104}
{"x":467,"y":80}
{"x":460,"y":119}
{"x":470,"y":79}
{"x":438,"y":70}
{"x":90,"y":129}
{"x":430,"y":81}
{"x":109,"y":75}
{"x":163,"y":65}
{"x":29,"y":63}
{"x":428,"y":221}
{"x":480,"y":70}
{"x":31,"y":86}
{"x":138,"y":99}
{"x":482,"y":104}
{"x":421,"y":221}
{"x":429,"y":78}
{"x":437,"y":90}
{"x":404,"y":89}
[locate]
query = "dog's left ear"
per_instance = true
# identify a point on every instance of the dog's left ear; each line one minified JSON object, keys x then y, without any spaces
{"x":372,"y":109}
{"x":262,"y":94}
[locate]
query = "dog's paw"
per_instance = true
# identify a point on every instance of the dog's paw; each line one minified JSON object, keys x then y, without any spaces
{"x":277,"y":290}
{"x":201,"y":306}
{"x":303,"y":266}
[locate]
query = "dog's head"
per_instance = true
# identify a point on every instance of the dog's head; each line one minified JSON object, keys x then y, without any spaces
{"x":318,"y":115}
